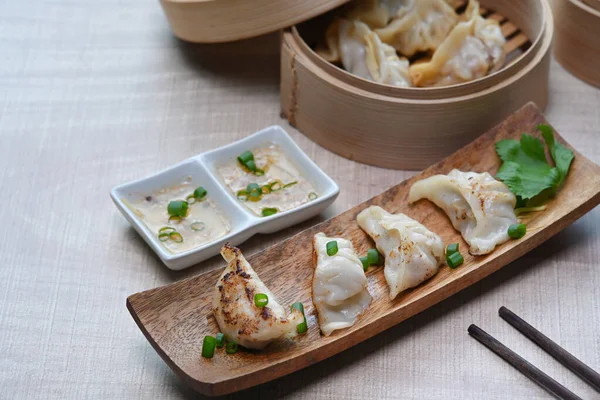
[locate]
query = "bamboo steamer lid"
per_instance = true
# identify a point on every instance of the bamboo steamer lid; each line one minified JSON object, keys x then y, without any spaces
{"x":215,"y":21}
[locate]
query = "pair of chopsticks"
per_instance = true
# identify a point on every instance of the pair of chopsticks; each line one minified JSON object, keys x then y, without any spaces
{"x":526,"y":368}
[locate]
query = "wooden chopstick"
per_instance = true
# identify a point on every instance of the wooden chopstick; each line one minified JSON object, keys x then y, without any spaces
{"x":549,"y":346}
{"x":522,"y":365}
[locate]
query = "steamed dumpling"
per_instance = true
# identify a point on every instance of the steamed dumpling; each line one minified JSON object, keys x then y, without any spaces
{"x":412,"y":253}
{"x":340,"y":292}
{"x":375,"y":13}
{"x":363,"y":54}
{"x":479,"y":207}
{"x":420,"y":25}
{"x":238,"y":317}
{"x":473,"y":49}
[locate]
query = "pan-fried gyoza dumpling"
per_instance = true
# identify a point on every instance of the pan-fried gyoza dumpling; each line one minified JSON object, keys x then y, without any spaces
{"x":420,"y":25}
{"x":340,"y":292}
{"x":473,"y":49}
{"x":479,"y":207}
{"x":363,"y":54}
{"x":412,"y":253}
{"x":238,"y":317}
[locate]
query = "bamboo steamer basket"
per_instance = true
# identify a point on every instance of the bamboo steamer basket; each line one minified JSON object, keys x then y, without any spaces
{"x":213,"y":21}
{"x":577,"y":46}
{"x":411,"y":128}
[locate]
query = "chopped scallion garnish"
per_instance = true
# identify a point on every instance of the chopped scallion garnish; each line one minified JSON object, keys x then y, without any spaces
{"x":332,"y":248}
{"x":220,"y":339}
{"x":190,"y":199}
{"x":365,"y":262}
{"x":177,"y":208}
{"x":166,"y":229}
{"x":245,"y":157}
{"x":373,"y":257}
{"x":250,"y":165}
{"x":452,"y":248}
{"x":298,"y":306}
{"x":198,"y":226}
{"x":312,"y":196}
{"x":303,"y":326}
{"x":454,"y":260}
{"x":265,"y":189}
{"x":174,"y":219}
{"x":231,"y":347}
{"x":276,"y":185}
{"x":164,"y":236}
{"x":208,"y":347}
{"x":176,"y":237}
{"x":261,"y":299}
{"x":517,"y":231}
{"x":267,"y":212}
{"x":200,"y":193}
{"x":287,"y":185}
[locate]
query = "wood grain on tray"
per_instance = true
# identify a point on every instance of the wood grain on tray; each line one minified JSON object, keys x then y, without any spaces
{"x":175,"y":318}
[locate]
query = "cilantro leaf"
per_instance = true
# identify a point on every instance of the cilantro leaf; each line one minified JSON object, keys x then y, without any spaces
{"x":561,"y":156}
{"x":525,"y":169}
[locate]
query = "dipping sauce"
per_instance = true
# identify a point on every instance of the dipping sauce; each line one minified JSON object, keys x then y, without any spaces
{"x":203,"y":223}
{"x":281,"y":186}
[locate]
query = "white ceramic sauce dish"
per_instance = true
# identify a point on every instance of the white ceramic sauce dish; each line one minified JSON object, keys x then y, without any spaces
{"x":202,"y":171}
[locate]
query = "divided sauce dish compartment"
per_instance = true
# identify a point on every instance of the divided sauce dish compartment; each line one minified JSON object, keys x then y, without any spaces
{"x":202,"y":171}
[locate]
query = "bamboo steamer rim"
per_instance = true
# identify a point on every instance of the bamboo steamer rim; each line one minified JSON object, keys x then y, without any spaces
{"x":219,"y":21}
{"x":587,"y":8}
{"x":441,"y":92}
{"x":288,"y":39}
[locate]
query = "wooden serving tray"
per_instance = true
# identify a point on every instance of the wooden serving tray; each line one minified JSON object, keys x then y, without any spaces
{"x":175,"y":318}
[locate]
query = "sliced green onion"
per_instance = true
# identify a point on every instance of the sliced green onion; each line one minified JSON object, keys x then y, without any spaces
{"x":261,"y":300}
{"x":287,"y":185}
{"x":452,"y":248}
{"x":276,"y":185}
{"x":454,"y":260}
{"x":208,"y":347}
{"x":303,"y":326}
{"x":200,"y":193}
{"x":176,"y":237}
{"x":312,"y":196}
{"x":517,"y":231}
{"x":332,"y":248}
{"x":252,"y":186}
{"x":250,"y":165}
{"x":258,"y":172}
{"x":174,"y":219}
{"x":298,"y":306}
{"x":373,"y":257}
{"x":178,"y":208}
{"x":164,"y":236}
{"x":245,"y":157}
{"x":265,"y":189}
{"x":198,"y":226}
{"x":242,"y":195}
{"x":190,"y":199}
{"x":166,"y":229}
{"x":220,"y":339}
{"x":267,"y":212}
{"x":365,"y":262}
{"x":231,"y":347}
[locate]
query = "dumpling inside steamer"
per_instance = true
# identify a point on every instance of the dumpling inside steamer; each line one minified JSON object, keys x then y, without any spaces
{"x":362,"y":53}
{"x":479,"y":207}
{"x":473,"y":49}
{"x":379,"y":39}
{"x":339,"y":286}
